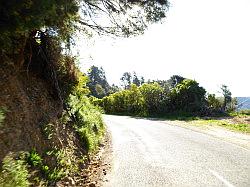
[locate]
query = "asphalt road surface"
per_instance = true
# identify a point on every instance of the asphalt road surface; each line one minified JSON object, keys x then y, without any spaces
{"x":153,"y":153}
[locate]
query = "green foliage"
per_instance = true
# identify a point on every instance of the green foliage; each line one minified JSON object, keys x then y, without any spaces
{"x":34,"y":159}
{"x":126,"y":80}
{"x":131,"y":78}
{"x":214,"y":103}
{"x":21,"y":19}
{"x":227,"y":97}
{"x":67,"y":72}
{"x":113,"y":89}
{"x":242,"y":127}
{"x":98,"y":84}
{"x":155,"y":98}
{"x":62,"y":167}
{"x":188,"y":96}
{"x":55,"y":174}
{"x":14,"y":173}
{"x":136,"y":80}
{"x":152,"y":99}
{"x":52,"y":175}
{"x":135,"y":101}
{"x":128,"y":101}
{"x":88,"y":122}
{"x":175,"y":80}
{"x":87,"y":117}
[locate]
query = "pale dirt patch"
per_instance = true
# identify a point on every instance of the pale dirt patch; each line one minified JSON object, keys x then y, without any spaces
{"x":237,"y":138}
{"x":237,"y":120}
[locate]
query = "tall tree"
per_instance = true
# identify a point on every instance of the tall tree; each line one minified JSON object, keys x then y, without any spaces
{"x":126,"y":80}
{"x":174,"y":80}
{"x":136,"y":80}
{"x":227,"y":96}
{"x":98,"y":84}
{"x":164,"y":84}
{"x":142,"y":80}
{"x":23,"y":21}
{"x":113,"y":89}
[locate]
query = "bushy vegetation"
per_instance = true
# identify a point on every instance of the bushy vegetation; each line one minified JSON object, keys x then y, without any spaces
{"x":49,"y":174}
{"x":29,"y":168}
{"x":85,"y":119}
{"x":176,"y":96}
{"x":24,"y":21}
{"x":98,"y":84}
{"x":188,"y":96}
{"x":88,"y":121}
{"x":69,"y":86}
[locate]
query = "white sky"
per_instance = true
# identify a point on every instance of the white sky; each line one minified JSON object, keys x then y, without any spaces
{"x":205,"y":40}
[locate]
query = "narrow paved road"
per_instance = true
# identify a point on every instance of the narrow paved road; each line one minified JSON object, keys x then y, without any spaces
{"x":152,"y":153}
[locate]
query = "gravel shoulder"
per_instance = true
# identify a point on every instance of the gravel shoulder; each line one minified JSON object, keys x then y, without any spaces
{"x":97,"y":170}
{"x":237,"y":138}
{"x":101,"y":164}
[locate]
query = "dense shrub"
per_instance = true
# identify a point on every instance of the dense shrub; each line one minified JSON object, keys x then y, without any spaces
{"x":152,"y":99}
{"x":188,"y":96}
{"x":88,"y":122}
{"x":155,"y":98}
{"x":214,"y":103}
{"x":87,"y":117}
{"x":128,"y":101}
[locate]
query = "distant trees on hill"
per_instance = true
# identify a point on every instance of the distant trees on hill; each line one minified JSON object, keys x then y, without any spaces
{"x":156,"y":97}
{"x":131,"y":78}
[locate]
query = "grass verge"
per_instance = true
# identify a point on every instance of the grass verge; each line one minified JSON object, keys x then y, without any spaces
{"x":240,"y":127}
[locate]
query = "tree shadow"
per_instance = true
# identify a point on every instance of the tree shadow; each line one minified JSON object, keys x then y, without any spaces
{"x":183,"y":118}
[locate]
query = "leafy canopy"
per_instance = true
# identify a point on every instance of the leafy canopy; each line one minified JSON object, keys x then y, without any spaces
{"x":22,"y":19}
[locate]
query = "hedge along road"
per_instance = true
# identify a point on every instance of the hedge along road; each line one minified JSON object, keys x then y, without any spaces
{"x":152,"y":153}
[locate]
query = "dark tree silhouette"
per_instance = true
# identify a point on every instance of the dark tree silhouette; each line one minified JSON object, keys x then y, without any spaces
{"x":227,"y":96}
{"x":98,"y":84}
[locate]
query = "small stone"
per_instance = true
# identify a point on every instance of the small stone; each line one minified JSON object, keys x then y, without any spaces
{"x":70,"y":181}
{"x":92,"y":185}
{"x":84,"y":176}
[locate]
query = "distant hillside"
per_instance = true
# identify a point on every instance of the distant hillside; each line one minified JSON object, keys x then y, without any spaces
{"x":243,"y":102}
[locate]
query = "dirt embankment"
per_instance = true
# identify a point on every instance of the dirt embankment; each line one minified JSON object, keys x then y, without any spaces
{"x":30,"y":105}
{"x":32,"y":117}
{"x":33,"y":121}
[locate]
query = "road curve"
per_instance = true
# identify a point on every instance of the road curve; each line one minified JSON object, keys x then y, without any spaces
{"x":151,"y":153}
